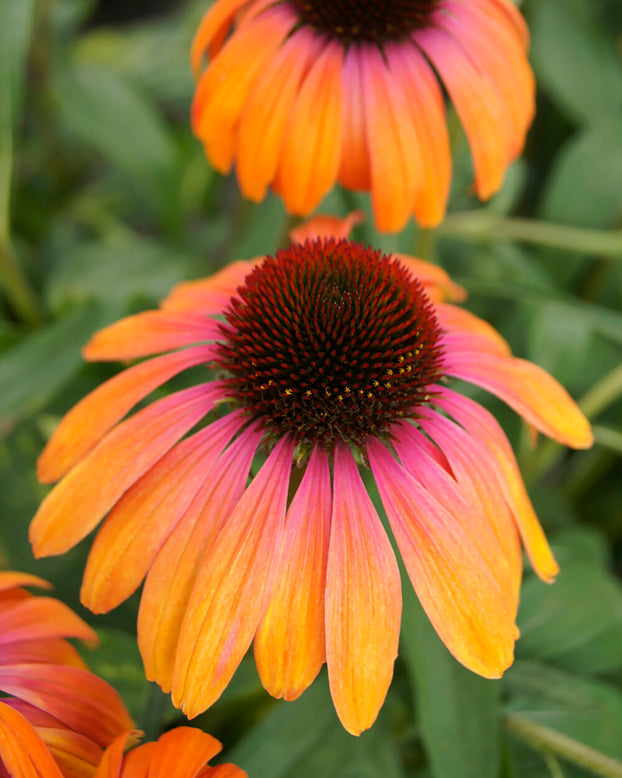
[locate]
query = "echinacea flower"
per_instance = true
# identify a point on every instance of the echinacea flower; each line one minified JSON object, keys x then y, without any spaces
{"x":56,"y":718}
{"x":303,"y":93}
{"x":330,"y":357}
{"x":179,"y":753}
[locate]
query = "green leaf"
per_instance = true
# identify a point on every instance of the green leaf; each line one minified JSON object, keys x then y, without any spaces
{"x":35,"y":370}
{"x":575,"y":624}
{"x":559,"y":341}
{"x":457,"y":710}
{"x":115,"y":272}
{"x":588,"y":712}
{"x":289,"y":733}
{"x":576,"y":58}
{"x":584,"y":186}
{"x":106,"y":113}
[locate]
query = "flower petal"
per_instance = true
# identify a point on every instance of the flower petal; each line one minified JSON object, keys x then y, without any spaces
{"x":22,"y":752}
{"x":223,"y":88}
{"x":438,"y":285}
{"x":461,"y":325}
{"x":182,"y":752}
{"x":481,"y":424}
{"x":456,"y":587}
{"x":11,"y":580}
{"x":147,"y":513}
{"x":96,"y":414}
{"x":477,"y":105}
{"x":210,"y":295}
{"x":354,"y":168}
{"x":311,"y":144}
{"x":528,"y":389}
{"x":395,"y":155}
{"x":172,"y":576}
{"x":290,"y":645}
{"x":267,"y":110}
{"x":232,"y":587}
{"x":150,"y":332}
{"x":78,"y":502}
{"x":426,"y":113}
{"x":80,"y":700}
{"x":363,"y":601}
{"x":325,"y":226}
{"x":112,"y":760}
{"x":40,"y":618}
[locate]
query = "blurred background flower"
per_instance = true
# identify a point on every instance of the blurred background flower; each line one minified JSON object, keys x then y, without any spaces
{"x":51,"y":698}
{"x":305,"y":93}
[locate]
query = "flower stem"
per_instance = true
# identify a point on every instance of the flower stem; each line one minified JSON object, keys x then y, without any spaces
{"x":547,"y":741}
{"x":484,"y":225}
{"x":16,"y":287}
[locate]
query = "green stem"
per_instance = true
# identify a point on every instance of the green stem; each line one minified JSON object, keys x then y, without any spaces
{"x":547,"y":740}
{"x":16,"y":287}
{"x":484,"y":225}
{"x":605,"y":392}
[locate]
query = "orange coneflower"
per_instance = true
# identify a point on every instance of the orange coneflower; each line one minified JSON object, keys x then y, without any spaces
{"x":57,"y":717}
{"x":330,"y":357}
{"x":180,"y":753}
{"x":304,"y":93}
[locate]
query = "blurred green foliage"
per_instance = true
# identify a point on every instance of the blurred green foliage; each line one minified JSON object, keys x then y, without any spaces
{"x":106,"y":201}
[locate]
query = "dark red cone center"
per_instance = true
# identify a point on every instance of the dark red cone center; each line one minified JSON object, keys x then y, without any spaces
{"x":377,"y":21}
{"x":331,"y":341}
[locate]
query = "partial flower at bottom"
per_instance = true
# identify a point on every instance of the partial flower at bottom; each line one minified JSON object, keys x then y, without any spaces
{"x":332,"y":362}
{"x":179,"y":753}
{"x":57,"y":717}
{"x":300,"y":94}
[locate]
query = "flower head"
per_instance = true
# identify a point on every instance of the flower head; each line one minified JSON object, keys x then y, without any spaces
{"x":330,"y":357}
{"x":57,"y":717}
{"x":303,"y":94}
{"x":179,"y":753}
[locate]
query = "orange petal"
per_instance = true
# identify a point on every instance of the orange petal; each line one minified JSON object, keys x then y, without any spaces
{"x":11,"y":580}
{"x":150,"y":333}
{"x":210,"y":295}
{"x":214,"y":24}
{"x":325,"y":226}
{"x":267,"y":111}
{"x":481,"y":424}
{"x":475,"y":476}
{"x":289,"y":645}
{"x":112,"y":760}
{"x":78,"y":502}
{"x":224,"y":87}
{"x":182,"y":752}
{"x":22,"y":752}
{"x":426,"y":113}
{"x":529,"y":390}
{"x":224,"y":771}
{"x":171,"y":579}
{"x":56,"y":651}
{"x":456,"y":587}
{"x":140,"y":522}
{"x":96,"y":414}
{"x":76,"y":755}
{"x":354,"y":166}
{"x":232,"y":587}
{"x":395,"y":155}
{"x":501,"y":61}
{"x":438,"y":285}
{"x":311,"y":145}
{"x":80,"y":700}
{"x":363,"y":601}
{"x":464,"y":501}
{"x":39,"y":618}
{"x":477,"y":105}
{"x":460,"y":322}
